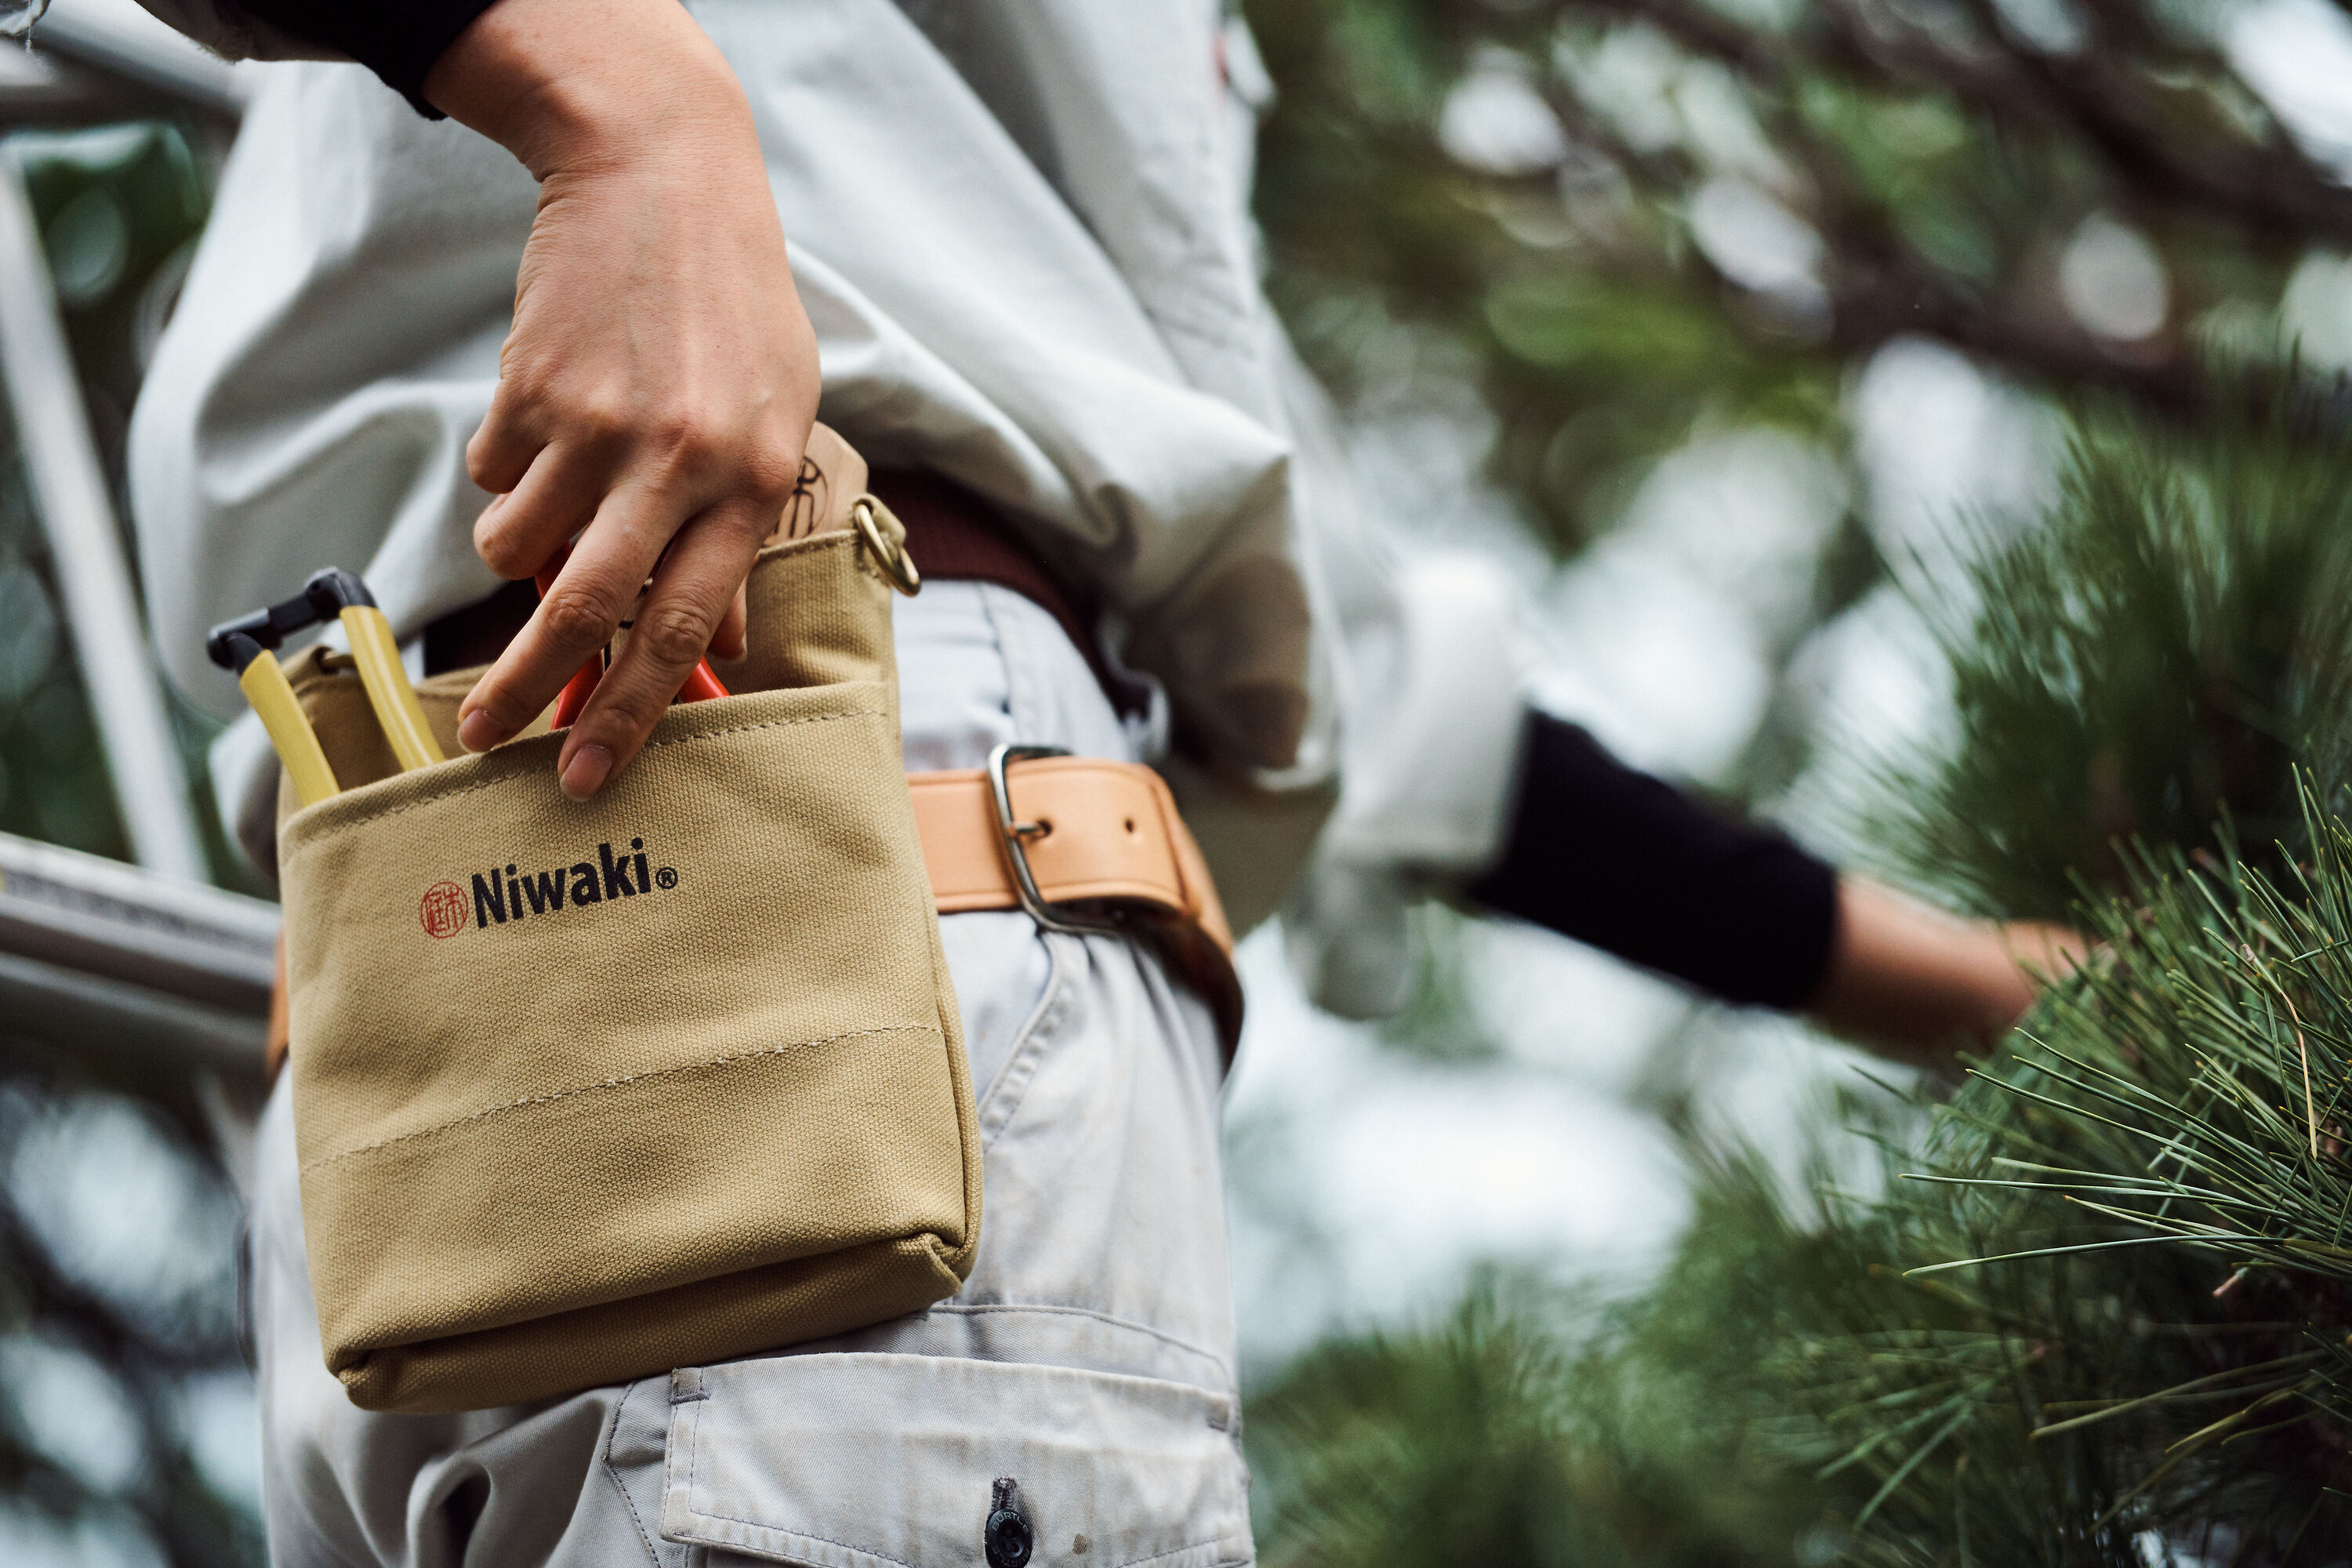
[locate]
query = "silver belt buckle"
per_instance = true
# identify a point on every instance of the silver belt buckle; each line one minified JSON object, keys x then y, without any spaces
{"x":1016,"y":834}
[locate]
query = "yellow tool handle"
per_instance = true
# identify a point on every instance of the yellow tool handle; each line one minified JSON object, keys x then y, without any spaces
{"x":389,"y":692}
{"x":272,"y":695}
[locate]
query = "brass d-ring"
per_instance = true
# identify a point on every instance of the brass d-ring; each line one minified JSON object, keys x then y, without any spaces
{"x":890,"y":556}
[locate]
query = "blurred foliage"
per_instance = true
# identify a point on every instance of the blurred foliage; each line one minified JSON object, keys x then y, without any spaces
{"x":1517,"y":1433}
{"x":1573,"y":306}
{"x":1440,"y":1019}
{"x":1626,"y":221}
{"x":2096,"y":1317}
{"x":1622,"y":217}
{"x":120,"y":209}
{"x":2147,"y":665}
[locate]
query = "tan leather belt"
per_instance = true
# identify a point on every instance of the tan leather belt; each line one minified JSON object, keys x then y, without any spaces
{"x":1103,"y":848}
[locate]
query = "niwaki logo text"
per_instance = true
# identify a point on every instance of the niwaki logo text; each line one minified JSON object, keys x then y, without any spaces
{"x":507,"y":893}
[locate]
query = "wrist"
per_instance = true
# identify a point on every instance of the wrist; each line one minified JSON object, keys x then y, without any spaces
{"x":563,"y":85}
{"x":1915,"y":981}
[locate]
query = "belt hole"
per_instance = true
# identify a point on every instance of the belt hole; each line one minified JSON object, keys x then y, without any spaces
{"x":1045,"y":827}
{"x":1131,"y":827}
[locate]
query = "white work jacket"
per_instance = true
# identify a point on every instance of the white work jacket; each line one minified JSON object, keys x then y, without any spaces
{"x":1020,"y":229}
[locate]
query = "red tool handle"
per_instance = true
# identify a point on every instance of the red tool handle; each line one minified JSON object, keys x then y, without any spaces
{"x":701,"y":684}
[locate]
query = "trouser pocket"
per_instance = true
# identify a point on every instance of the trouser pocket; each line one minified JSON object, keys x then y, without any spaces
{"x":912,"y":1461}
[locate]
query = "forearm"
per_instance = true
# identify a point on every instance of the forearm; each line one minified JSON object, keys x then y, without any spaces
{"x":1626,"y":862}
{"x":1915,"y":981}
{"x":563,"y":96}
{"x":659,"y":377}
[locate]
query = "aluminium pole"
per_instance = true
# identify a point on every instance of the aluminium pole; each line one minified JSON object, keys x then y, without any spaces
{"x":70,"y":492}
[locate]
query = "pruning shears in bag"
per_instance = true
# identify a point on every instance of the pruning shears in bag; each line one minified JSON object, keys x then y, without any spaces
{"x":247,"y":647}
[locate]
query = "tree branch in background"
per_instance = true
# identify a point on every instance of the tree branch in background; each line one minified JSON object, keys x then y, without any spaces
{"x":1945,"y":161}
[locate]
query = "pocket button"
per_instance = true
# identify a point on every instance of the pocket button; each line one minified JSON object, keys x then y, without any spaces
{"x":1006,"y":1536}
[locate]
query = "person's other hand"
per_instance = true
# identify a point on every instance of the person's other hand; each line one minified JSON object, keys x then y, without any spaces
{"x":658,"y":384}
{"x":1916,"y":983}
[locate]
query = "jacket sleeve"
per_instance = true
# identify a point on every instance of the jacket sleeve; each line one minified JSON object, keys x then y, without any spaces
{"x":397,"y":39}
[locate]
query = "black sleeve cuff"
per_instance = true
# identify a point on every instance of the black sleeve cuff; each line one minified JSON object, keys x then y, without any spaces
{"x":1626,"y":862}
{"x":397,"y":39}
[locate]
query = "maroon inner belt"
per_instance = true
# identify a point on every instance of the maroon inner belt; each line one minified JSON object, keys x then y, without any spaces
{"x":955,"y":536}
{"x":952,"y":535}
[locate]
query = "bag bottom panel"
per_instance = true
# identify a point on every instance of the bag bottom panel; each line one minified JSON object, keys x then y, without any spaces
{"x":713,"y":1320}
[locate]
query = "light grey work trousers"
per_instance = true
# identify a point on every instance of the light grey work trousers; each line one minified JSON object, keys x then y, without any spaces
{"x":1084,"y":1377}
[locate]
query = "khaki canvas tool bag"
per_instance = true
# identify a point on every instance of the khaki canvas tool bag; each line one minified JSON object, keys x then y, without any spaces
{"x":584,"y":1091}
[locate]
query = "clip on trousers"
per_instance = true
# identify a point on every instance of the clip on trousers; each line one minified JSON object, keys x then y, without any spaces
{"x":1103,"y":848}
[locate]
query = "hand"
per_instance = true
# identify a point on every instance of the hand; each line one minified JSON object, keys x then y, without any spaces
{"x":658,"y":384}
{"x":1915,"y":982}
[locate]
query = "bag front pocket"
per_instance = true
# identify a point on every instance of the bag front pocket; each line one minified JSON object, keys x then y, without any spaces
{"x":870,"y":1460}
{"x":585,"y":1091}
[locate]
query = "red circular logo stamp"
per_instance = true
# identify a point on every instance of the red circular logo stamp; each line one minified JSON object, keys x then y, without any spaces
{"x":443,"y":910}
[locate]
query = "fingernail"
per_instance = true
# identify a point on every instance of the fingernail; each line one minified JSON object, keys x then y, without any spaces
{"x":478,"y":731}
{"x":584,"y":775}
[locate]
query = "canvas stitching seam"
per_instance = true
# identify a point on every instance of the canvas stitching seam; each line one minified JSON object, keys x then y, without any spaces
{"x":767,"y":725}
{"x":621,"y":1082}
{"x":650,"y":745}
